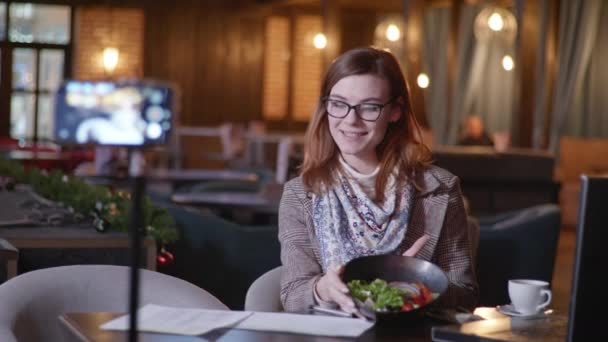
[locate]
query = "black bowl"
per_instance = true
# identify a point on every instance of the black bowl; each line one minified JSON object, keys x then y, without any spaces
{"x":397,"y":268}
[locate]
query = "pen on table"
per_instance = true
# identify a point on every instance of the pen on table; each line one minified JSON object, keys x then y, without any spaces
{"x":331,"y":312}
{"x":335,"y":312}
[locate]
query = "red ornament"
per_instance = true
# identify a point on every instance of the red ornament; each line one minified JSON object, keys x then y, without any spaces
{"x":164,"y":258}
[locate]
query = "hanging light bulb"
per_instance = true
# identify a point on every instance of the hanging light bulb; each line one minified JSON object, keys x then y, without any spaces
{"x":495,"y":22}
{"x":320,"y":41}
{"x":423,"y":80}
{"x":110,"y":59}
{"x":393,"y":33}
{"x":507,"y":63}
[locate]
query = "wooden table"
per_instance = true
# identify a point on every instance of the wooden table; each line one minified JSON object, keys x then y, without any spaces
{"x":21,"y":155}
{"x":496,"y":327}
{"x":48,"y":160}
{"x":74,"y":237}
{"x":255,"y":202}
{"x":194,"y":175}
{"x":176,"y":178}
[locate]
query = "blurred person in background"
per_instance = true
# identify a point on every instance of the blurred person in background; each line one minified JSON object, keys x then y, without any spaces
{"x":475,"y":133}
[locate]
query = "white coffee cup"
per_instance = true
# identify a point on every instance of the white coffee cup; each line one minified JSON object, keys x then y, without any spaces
{"x":529,"y":296}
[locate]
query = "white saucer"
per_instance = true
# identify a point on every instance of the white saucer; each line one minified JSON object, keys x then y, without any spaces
{"x":509,"y":310}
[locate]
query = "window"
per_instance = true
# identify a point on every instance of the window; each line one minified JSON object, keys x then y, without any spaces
{"x":35,"y":47}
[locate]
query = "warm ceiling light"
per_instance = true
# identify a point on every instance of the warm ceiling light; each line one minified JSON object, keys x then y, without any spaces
{"x":507,"y":63}
{"x":423,"y":80}
{"x":110,"y":59}
{"x":495,"y":22}
{"x":393,"y":33}
{"x":319,"y":41}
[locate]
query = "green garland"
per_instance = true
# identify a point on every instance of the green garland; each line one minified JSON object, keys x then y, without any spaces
{"x":84,"y":198}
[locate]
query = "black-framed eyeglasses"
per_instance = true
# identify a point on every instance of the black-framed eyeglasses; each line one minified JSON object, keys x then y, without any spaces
{"x":366,"y":111}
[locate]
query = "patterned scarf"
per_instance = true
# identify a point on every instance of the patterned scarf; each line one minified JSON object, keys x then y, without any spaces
{"x":348,"y":224}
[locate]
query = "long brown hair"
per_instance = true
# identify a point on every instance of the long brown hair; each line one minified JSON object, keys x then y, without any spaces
{"x":401,"y":147}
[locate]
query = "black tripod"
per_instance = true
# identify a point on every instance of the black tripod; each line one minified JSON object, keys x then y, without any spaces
{"x":136,"y":231}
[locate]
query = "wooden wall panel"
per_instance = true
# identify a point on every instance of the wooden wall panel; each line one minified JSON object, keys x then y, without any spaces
{"x":213,"y":52}
{"x":98,"y":27}
{"x":307,"y":68}
{"x":357,"y":29}
{"x":413,"y":13}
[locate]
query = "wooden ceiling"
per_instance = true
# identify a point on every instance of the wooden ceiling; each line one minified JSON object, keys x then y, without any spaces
{"x":381,"y":5}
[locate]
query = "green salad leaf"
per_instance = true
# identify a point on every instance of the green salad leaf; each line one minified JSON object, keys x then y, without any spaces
{"x":378,"y":291}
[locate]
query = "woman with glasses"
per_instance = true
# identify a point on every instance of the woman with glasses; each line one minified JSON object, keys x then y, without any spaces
{"x":367,"y":187}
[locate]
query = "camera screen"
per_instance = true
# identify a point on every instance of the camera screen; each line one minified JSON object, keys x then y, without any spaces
{"x":113,"y":113}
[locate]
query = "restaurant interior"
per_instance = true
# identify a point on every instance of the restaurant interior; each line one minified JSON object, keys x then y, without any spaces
{"x":509,"y":95}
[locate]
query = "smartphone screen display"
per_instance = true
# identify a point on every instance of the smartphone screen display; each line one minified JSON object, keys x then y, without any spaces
{"x":134,"y":113}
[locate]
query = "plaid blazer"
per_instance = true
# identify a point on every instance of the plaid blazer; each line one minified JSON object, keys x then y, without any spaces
{"x":437,"y":210}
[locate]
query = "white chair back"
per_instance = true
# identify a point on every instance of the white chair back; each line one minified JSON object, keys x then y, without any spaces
{"x":264,"y":294}
{"x":33,"y":301}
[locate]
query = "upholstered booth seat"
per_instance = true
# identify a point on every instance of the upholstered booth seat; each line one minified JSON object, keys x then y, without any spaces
{"x":496,"y":182}
{"x":220,"y":256}
{"x":518,"y":244}
{"x":264,"y":176}
{"x":32,"y":302}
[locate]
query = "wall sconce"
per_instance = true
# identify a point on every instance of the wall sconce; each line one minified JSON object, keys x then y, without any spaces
{"x":507,"y":63}
{"x":423,"y":80}
{"x":393,"y":33}
{"x":388,"y":35}
{"x":495,"y":22}
{"x":319,"y":41}
{"x":110,"y":59}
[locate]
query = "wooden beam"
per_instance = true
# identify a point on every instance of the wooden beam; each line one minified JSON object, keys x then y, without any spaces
{"x":525,"y":66}
{"x":413,"y":11}
{"x":332,"y":19}
{"x":376,"y":6}
{"x":5,"y":92}
{"x":452,"y":54}
{"x":292,"y":38}
{"x":550,"y":62}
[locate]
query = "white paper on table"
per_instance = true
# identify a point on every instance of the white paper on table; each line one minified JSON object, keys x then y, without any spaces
{"x":182,"y":321}
{"x":305,"y":324}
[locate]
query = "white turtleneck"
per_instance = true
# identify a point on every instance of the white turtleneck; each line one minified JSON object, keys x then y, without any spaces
{"x":366,"y":181}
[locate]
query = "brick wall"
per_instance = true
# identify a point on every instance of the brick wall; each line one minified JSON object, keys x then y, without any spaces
{"x":276,"y":68}
{"x":97,"y":27}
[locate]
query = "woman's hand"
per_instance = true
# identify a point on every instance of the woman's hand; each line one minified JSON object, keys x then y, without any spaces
{"x":330,"y":288}
{"x":417,"y":246}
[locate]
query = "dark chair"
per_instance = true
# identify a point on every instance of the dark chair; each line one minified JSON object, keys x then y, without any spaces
{"x":497,"y":182}
{"x":9,"y":255}
{"x":518,"y":244}
{"x":220,"y":256}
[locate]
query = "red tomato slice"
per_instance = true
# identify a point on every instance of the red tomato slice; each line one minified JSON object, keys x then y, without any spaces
{"x":407,"y":307}
{"x":426,"y":294}
{"x":418,"y":300}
